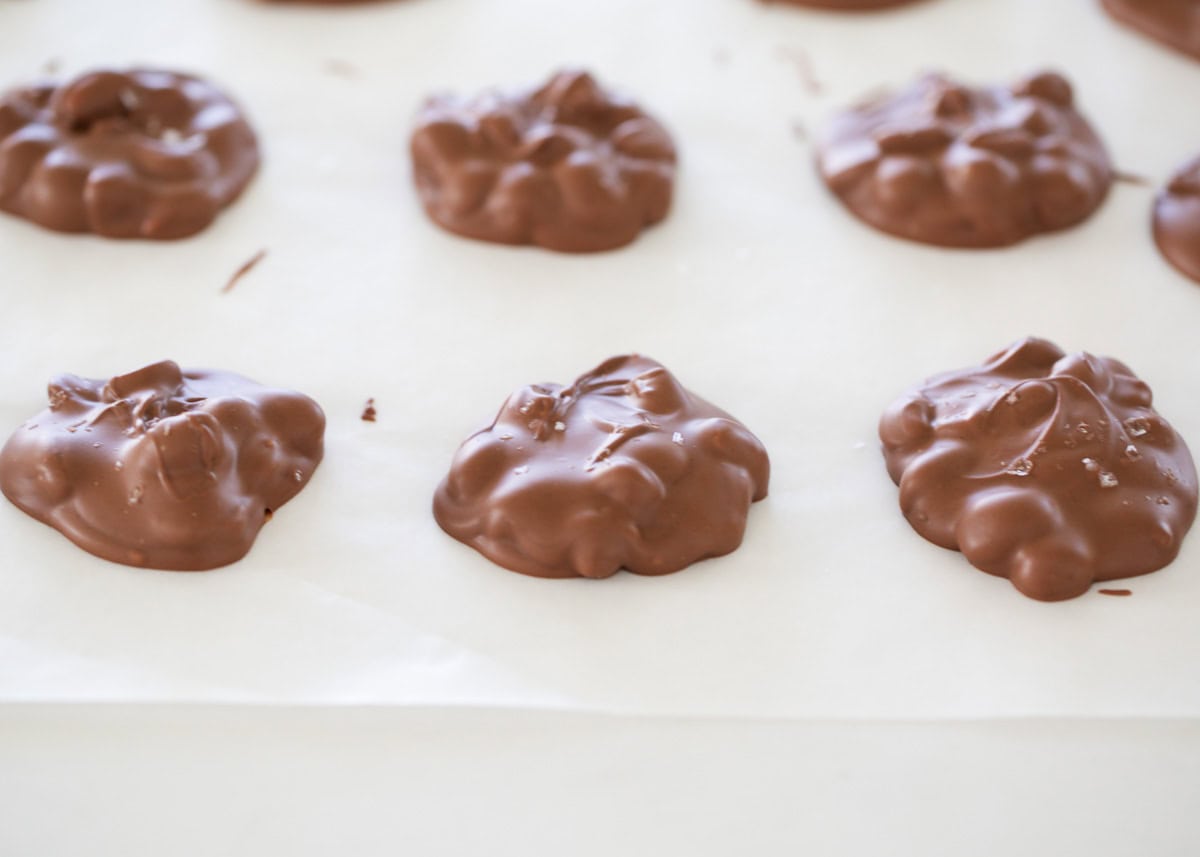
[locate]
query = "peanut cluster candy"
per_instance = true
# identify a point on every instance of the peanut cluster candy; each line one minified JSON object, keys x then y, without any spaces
{"x":845,"y":5}
{"x":624,"y":468}
{"x":1175,"y":23}
{"x":1047,"y":468}
{"x":570,"y":166}
{"x":163,"y":468}
{"x":945,"y":164}
{"x":137,"y":154}
{"x":1177,"y":220}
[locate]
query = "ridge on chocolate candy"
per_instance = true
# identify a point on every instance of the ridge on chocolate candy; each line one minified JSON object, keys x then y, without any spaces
{"x":1177,"y":220}
{"x":946,"y":164}
{"x":1174,"y":23}
{"x":624,"y":468}
{"x":569,"y":166}
{"x":135,"y":154}
{"x":1050,"y":469}
{"x":161,"y":467}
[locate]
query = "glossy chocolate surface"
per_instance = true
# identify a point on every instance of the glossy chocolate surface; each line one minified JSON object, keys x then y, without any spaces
{"x":945,"y":164}
{"x":163,"y":468}
{"x":1050,"y":469}
{"x":569,"y":167}
{"x":1177,"y":220}
{"x":1175,"y":23}
{"x":622,"y":469}
{"x":136,"y":154}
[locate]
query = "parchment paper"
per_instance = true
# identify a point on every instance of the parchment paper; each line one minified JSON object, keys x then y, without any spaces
{"x":759,"y":292}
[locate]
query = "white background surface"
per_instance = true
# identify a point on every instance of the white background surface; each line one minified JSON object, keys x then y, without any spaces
{"x":759,"y":292}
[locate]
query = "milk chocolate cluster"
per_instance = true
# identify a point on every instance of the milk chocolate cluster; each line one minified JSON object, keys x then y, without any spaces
{"x":1177,"y":220}
{"x":1175,"y":23}
{"x":1050,"y":469}
{"x":622,"y":469}
{"x":570,"y":166}
{"x":163,"y":468}
{"x":136,"y":154}
{"x":946,"y":164}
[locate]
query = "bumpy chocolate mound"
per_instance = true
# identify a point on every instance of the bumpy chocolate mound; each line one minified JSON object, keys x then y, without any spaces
{"x":622,"y":469}
{"x":569,"y":167}
{"x":163,"y":468}
{"x":1177,"y":220}
{"x":138,"y":154}
{"x":1052,"y":470}
{"x":944,"y":164}
{"x":1175,"y":23}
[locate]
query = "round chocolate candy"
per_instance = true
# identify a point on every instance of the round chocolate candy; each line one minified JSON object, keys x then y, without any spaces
{"x":135,"y":154}
{"x":945,"y":164}
{"x":1047,"y":468}
{"x":624,"y":468}
{"x":1175,"y":23}
{"x":569,"y":166}
{"x":163,"y":468}
{"x":1177,"y":220}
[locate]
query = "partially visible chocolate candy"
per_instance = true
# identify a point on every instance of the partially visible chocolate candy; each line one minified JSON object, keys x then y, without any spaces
{"x":135,"y":154}
{"x":845,"y":5}
{"x":945,"y":164}
{"x":163,"y":468}
{"x":1175,"y":23}
{"x":570,"y":166}
{"x":622,"y":469}
{"x":1177,"y":220}
{"x":1050,"y":469}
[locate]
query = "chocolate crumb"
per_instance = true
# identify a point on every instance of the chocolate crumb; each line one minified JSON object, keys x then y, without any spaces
{"x":245,"y":269}
{"x":341,"y":68}
{"x":1119,"y":592}
{"x":369,"y":413}
{"x":803,"y":63}
{"x":1130,"y":178}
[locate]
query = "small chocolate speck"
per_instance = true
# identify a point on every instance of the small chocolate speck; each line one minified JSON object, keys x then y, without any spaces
{"x":369,"y":413}
{"x":341,"y":68}
{"x":804,"y":67}
{"x":1118,"y":592}
{"x":1130,"y":178}
{"x":245,"y":269}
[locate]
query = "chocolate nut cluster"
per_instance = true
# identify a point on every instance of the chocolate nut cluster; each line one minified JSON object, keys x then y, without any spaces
{"x":136,"y":154}
{"x":1050,"y":469}
{"x":163,"y":468}
{"x":622,"y":469}
{"x":1177,"y":220}
{"x":1175,"y":23}
{"x":569,"y":167}
{"x":945,"y":164}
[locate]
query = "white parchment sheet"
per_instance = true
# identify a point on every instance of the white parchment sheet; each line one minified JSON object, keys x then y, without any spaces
{"x":759,"y":292}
